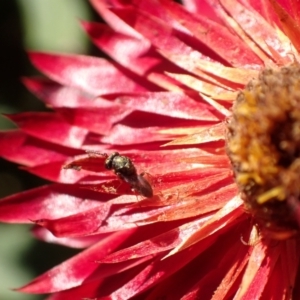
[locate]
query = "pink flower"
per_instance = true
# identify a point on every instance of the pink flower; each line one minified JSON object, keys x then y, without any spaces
{"x":162,"y":102}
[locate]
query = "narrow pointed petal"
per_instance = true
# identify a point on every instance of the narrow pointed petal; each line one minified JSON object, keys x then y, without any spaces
{"x":51,"y":128}
{"x":56,"y":95}
{"x":76,"y":243}
{"x":153,"y":117}
{"x":140,"y":57}
{"x":213,"y":133}
{"x":239,"y":76}
{"x":260,"y":31}
{"x":215,"y":36}
{"x":76,"y":270}
{"x":38,"y":203}
{"x":177,"y":105}
{"x":93,"y":75}
{"x":99,"y":121}
{"x":226,"y":215}
{"x":291,"y":28}
{"x":211,"y":90}
{"x":234,"y":259}
{"x":158,"y":270}
{"x":23,"y":149}
{"x":125,"y":135}
{"x":158,"y":244}
{"x":194,"y":206}
{"x":260,"y":266}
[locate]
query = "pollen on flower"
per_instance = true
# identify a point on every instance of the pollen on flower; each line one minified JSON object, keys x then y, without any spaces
{"x":263,"y":144}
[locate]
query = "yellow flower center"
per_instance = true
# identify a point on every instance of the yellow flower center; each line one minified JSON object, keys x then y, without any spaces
{"x":263,"y":144}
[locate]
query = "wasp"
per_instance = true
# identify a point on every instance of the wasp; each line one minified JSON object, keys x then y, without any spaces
{"x":124,"y":168}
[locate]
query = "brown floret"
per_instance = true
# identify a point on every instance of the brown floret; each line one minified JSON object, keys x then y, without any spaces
{"x":263,"y":144}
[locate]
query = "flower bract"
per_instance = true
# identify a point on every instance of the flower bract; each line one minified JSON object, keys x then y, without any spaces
{"x":167,"y":220}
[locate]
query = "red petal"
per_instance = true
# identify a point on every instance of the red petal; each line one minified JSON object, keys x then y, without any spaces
{"x":296,"y":10}
{"x":86,"y":289}
{"x":154,"y":162}
{"x":76,"y":270}
{"x":207,"y":272}
{"x":93,"y":75}
{"x":50,"y":127}
{"x":158,"y":244}
{"x":264,"y":8}
{"x":226,"y":216}
{"x":98,"y":219}
{"x":291,"y":28}
{"x":284,"y":273}
{"x":99,"y":286}
{"x":161,"y":34}
{"x":176,"y":105}
{"x":92,"y":161}
{"x":39,"y":203}
{"x":56,"y":95}
{"x":212,"y":90}
{"x":79,"y":243}
{"x":56,"y":172}
{"x":160,"y":269}
{"x":98,"y":120}
{"x":103,"y":7}
{"x":261,"y":263}
{"x":228,"y":76}
{"x":212,"y":133}
{"x":20,"y":148}
{"x":124,"y":135}
{"x":193,"y":205}
{"x":234,"y":271}
{"x":261,"y":32}
{"x":87,"y":221}
{"x":135,"y":54}
{"x":214,"y":36}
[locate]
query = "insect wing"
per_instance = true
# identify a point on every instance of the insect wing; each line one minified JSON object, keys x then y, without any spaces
{"x":143,"y":187}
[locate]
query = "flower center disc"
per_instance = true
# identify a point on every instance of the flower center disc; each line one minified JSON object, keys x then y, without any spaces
{"x":263,"y":144}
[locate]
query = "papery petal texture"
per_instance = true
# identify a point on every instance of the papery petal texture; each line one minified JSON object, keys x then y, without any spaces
{"x":161,"y":99}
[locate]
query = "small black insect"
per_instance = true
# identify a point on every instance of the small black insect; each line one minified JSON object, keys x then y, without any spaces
{"x":125,"y":169}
